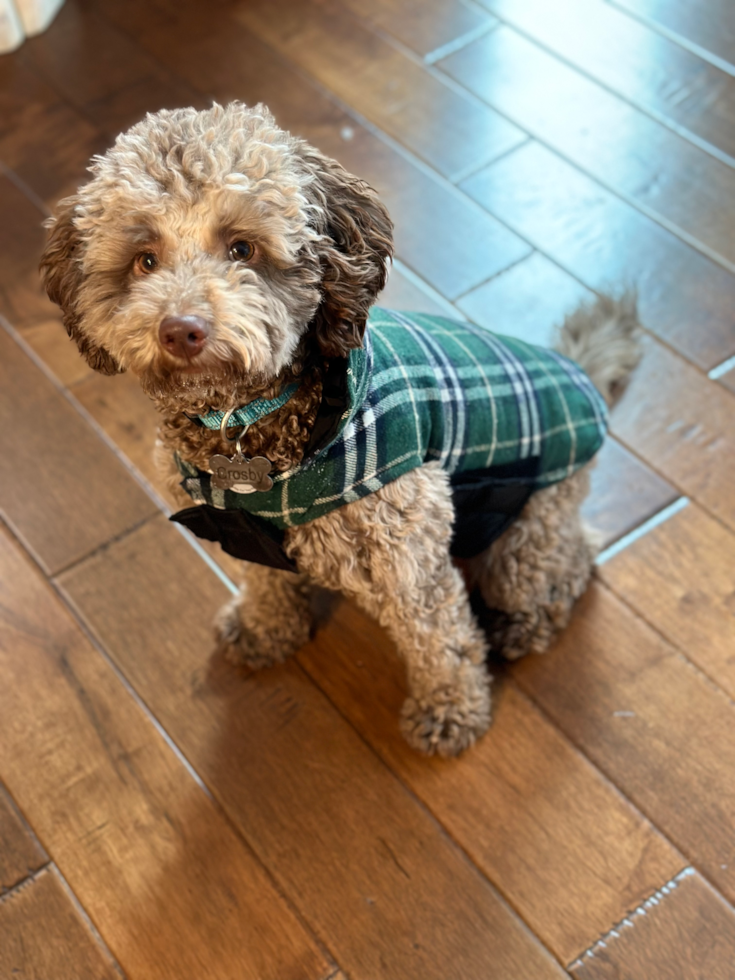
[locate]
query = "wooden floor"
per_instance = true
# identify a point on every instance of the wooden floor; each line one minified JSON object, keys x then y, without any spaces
{"x":164,"y":816}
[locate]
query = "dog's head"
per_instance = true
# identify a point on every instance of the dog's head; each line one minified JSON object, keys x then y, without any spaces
{"x":207,"y":244}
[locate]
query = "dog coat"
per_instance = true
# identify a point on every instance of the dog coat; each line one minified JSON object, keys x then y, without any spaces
{"x":502,"y":417}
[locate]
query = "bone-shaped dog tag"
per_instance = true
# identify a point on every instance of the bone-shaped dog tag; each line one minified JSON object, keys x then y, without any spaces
{"x":240,"y":474}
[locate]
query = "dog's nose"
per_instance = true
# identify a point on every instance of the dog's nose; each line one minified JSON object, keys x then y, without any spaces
{"x":183,"y":336}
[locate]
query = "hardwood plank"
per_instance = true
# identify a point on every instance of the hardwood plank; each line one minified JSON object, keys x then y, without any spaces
{"x":162,"y":875}
{"x":20,"y":852}
{"x":101,"y":72}
{"x":679,"y":577}
{"x":689,"y":440}
{"x":43,"y":935}
{"x":68,"y":493}
{"x":643,"y":67}
{"x":21,"y":238}
{"x":424,"y":25}
{"x":666,"y":175}
{"x":728,"y":380}
{"x":128,"y":417}
{"x":42,"y":138}
{"x":658,"y":729}
{"x":404,"y":293}
{"x":528,"y":300}
{"x":683,"y":297}
{"x":686,"y":932}
{"x":714,"y":33}
{"x":531,"y":812}
{"x":624,"y":493}
{"x":367,"y":867}
{"x":438,"y":233}
{"x":449,"y":241}
{"x":451,"y":132}
{"x":58,"y":351}
{"x":119,"y":405}
{"x":22,"y":300}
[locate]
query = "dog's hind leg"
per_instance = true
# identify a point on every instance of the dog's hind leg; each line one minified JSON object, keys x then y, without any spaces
{"x":269,"y":619}
{"x":531,"y":576}
{"x":390,"y":552}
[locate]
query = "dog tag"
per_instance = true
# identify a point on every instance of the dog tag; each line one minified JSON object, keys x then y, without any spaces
{"x":240,"y":474}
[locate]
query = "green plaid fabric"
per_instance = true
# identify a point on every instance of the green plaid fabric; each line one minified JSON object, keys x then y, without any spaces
{"x":426,"y":388}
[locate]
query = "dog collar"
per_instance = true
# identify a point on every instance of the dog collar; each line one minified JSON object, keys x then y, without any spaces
{"x":252,"y":412}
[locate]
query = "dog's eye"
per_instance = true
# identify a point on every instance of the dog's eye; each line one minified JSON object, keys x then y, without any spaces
{"x":147,"y":262}
{"x":241,"y":251}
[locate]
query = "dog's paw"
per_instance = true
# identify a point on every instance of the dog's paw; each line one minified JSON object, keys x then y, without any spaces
{"x":270,"y":644}
{"x":513,"y":635}
{"x":446,"y":722}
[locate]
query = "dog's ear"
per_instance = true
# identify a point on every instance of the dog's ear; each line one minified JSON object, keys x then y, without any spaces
{"x":62,"y":277}
{"x":354,"y":249}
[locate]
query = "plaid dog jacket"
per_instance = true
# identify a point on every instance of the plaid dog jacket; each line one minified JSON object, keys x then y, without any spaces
{"x":502,"y":417}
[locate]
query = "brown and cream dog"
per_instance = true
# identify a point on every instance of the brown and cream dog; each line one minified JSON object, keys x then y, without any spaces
{"x":219,"y":258}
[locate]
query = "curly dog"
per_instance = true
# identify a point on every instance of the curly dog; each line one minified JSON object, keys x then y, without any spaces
{"x":232,"y":267}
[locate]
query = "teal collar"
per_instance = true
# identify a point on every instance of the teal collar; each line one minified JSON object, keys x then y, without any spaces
{"x":253,"y":411}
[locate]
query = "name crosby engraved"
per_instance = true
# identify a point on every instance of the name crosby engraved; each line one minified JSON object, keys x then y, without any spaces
{"x":240,"y":474}
{"x":248,"y":474}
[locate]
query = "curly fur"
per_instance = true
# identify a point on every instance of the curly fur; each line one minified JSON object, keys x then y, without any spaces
{"x":182,"y":186}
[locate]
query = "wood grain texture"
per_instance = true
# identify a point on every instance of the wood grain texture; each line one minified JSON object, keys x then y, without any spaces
{"x":686,"y":933}
{"x":449,"y":241}
{"x":43,"y":935}
{"x":445,"y":238}
{"x":58,"y":351}
{"x":392,"y":889}
{"x":680,"y":577}
{"x":689,"y":440}
{"x":68,"y":493}
{"x":424,"y":25}
{"x":22,"y":300}
{"x":728,"y":380}
{"x":102,"y":73}
{"x":20,"y":852}
{"x":657,"y":728}
{"x":119,"y":406}
{"x":528,"y":300}
{"x":449,"y":131}
{"x":162,"y":875}
{"x":558,"y":841}
{"x":683,"y":297}
{"x":42,"y":138}
{"x":362,"y":860}
{"x":404,"y":293}
{"x":624,"y":493}
{"x":21,"y":238}
{"x":594,"y":129}
{"x":714,"y":33}
{"x":645,"y":68}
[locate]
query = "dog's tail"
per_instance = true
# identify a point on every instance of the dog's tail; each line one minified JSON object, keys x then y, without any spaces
{"x":603,"y":337}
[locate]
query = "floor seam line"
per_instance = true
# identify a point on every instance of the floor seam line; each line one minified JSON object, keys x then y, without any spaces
{"x":10,"y":893}
{"x":628,"y":922}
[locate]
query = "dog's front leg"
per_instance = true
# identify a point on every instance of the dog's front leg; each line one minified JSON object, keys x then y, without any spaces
{"x":268,"y":620}
{"x":390,"y":552}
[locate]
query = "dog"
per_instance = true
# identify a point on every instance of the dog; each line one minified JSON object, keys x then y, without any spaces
{"x":232,"y":268}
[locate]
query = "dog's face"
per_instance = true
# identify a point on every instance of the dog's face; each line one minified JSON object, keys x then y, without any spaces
{"x":207,"y":244}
